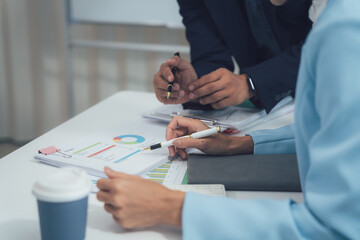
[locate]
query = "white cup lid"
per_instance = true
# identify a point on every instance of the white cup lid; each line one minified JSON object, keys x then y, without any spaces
{"x":67,"y":184}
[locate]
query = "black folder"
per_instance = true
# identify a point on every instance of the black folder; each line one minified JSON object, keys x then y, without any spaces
{"x":269,"y":172}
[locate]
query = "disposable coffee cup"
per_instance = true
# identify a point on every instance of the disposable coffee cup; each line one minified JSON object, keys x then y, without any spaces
{"x":62,"y":203}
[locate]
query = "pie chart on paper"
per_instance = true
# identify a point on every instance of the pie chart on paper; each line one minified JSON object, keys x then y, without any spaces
{"x":129,"y":139}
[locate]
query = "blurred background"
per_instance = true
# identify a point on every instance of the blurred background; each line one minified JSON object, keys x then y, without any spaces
{"x":59,"y":57}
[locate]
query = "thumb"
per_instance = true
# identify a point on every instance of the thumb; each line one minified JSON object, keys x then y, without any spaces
{"x":179,"y":63}
{"x":113,"y":174}
{"x":190,"y":143}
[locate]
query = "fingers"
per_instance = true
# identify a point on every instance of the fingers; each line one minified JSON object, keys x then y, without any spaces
{"x":180,"y":126}
{"x":181,"y":144}
{"x":176,"y":152}
{"x":215,"y":96}
{"x":172,"y":152}
{"x":176,"y":92}
{"x":105,"y":197}
{"x":182,"y":153}
{"x":104,"y":184}
{"x":178,"y":62}
{"x":175,"y":156}
{"x":161,"y":78}
{"x":185,"y":74}
{"x":166,"y":73}
{"x":203,"y":81}
{"x":190,"y":143}
{"x":225,"y":102}
{"x":171,"y":128}
{"x":177,"y":132}
{"x":110,"y":208}
{"x":174,"y":134}
{"x":208,"y":90}
{"x":220,"y":88}
{"x":161,"y":81}
{"x":113,"y":174}
{"x":192,"y":125}
{"x":162,"y":87}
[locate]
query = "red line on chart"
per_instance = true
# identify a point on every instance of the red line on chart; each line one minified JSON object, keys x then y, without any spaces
{"x":101,"y":151}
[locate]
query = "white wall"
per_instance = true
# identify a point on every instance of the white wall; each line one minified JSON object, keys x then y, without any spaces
{"x":32,"y":63}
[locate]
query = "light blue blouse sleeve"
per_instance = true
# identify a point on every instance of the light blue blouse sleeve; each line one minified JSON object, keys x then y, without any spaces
{"x":274,"y":141}
{"x":331,"y":179}
{"x":210,"y":218}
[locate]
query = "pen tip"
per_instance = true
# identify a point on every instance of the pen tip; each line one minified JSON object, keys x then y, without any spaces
{"x":168,"y":95}
{"x":147,"y":148}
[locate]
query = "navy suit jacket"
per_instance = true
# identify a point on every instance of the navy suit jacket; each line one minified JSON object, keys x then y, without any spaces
{"x":217,"y":30}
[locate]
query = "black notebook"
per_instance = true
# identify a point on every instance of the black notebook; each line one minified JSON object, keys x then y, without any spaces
{"x":269,"y":172}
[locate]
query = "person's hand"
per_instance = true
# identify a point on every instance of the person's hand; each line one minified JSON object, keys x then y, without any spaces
{"x":135,"y":202}
{"x":184,"y":75}
{"x":220,"y":88}
{"x":215,"y":145}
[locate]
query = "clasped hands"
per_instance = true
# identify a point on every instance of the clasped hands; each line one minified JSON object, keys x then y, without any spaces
{"x":220,"y":88}
{"x":135,"y":202}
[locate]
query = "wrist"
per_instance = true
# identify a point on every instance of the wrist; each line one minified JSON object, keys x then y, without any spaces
{"x":245,"y":85}
{"x":248,"y":84}
{"x":241,"y":145}
{"x":250,"y":87}
{"x":174,"y":201}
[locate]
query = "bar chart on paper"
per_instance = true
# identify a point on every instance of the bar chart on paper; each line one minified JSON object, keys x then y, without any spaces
{"x":167,"y":173}
{"x":119,"y":148}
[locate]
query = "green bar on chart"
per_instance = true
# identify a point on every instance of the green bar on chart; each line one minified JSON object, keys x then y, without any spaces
{"x":165,"y":166}
{"x":159,"y":170}
{"x":86,"y":148}
{"x":157,"y":175}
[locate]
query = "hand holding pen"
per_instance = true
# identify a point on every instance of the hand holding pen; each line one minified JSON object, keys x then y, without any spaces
{"x":175,"y":72}
{"x":171,"y":84}
{"x":204,"y":133}
{"x":218,"y":144}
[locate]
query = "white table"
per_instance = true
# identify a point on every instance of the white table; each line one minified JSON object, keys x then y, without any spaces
{"x":18,"y":172}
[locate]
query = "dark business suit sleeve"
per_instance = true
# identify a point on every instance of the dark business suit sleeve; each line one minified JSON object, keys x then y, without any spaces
{"x":207,"y":49}
{"x":275,"y":79}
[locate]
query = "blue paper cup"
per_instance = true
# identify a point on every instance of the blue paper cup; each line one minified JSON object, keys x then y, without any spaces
{"x":62,"y":203}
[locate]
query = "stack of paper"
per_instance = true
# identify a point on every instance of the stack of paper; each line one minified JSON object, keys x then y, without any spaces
{"x":239,"y":118}
{"x":119,"y":148}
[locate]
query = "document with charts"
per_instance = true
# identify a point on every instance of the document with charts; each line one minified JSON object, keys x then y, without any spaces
{"x":166,"y":173}
{"x":119,"y":148}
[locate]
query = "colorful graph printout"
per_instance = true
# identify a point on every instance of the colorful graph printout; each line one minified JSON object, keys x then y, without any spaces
{"x":167,"y":173}
{"x":170,"y":172}
{"x":118,"y":147}
{"x":129,"y":139}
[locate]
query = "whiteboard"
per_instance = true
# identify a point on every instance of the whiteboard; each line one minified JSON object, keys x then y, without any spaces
{"x":138,"y":12}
